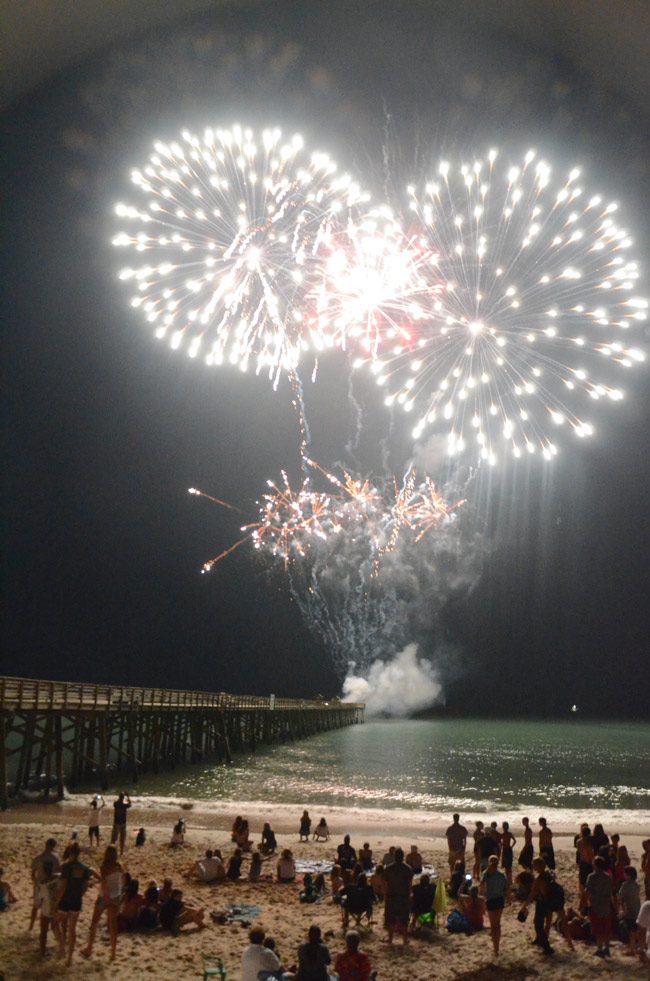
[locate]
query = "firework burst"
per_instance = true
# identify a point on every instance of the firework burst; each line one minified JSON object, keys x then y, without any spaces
{"x":535,"y":302}
{"x":232,"y":224}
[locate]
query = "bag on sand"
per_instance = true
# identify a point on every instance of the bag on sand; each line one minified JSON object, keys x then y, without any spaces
{"x":457,"y":923}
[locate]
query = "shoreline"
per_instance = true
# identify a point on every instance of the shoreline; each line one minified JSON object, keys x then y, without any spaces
{"x":358,"y":820}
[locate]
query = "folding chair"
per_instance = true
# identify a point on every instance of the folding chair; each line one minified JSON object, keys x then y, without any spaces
{"x":213,"y":967}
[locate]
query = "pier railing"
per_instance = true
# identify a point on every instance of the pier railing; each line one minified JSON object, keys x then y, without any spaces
{"x":54,"y":733}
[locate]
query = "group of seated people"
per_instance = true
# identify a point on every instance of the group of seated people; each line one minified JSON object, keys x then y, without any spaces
{"x":261,"y":960}
{"x":241,"y":836}
{"x":156,"y":907}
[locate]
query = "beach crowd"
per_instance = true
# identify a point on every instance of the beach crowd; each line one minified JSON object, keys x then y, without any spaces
{"x":490,"y":869}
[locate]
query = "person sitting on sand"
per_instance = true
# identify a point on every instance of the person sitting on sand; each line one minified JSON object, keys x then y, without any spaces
{"x":365,"y":857}
{"x":175,"y":914}
{"x":457,"y":880}
{"x":258,"y":958}
{"x":140,"y":838}
{"x":397,"y":909}
{"x":148,"y":915}
{"x":269,"y":842}
{"x":352,"y":964}
{"x":165,"y":891}
{"x":210,"y":868}
{"x":378,"y":883}
{"x":414,"y":860}
{"x":255,"y":868}
{"x":286,"y":867}
{"x":132,"y":903}
{"x":546,"y":844}
{"x":472,"y":906}
{"x":6,"y":893}
{"x":313,"y":958}
{"x":178,"y":834}
{"x":305,"y":826}
{"x":321,"y":831}
{"x":308,"y":893}
{"x":233,"y":871}
{"x":243,"y":837}
{"x":336,"y":881}
{"x":422,"y":899}
{"x":320,"y":887}
{"x":235,"y":827}
{"x":346,"y":855}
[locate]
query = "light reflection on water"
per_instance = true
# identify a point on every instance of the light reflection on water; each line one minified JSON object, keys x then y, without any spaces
{"x":439,"y":764}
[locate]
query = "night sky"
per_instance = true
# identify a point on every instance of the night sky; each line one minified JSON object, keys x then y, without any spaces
{"x":104,"y":429}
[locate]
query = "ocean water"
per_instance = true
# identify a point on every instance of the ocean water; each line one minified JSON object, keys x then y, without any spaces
{"x":464,"y":764}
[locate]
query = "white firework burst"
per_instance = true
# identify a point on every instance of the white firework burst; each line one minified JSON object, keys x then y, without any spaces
{"x":537,"y":302}
{"x":231,"y":224}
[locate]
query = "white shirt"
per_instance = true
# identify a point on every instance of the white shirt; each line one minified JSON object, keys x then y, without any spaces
{"x":643,"y":920}
{"x":210,"y":869}
{"x":255,"y":959}
{"x":37,"y":865}
{"x":93,"y":816}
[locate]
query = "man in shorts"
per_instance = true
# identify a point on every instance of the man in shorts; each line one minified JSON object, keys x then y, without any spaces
{"x":38,"y":875}
{"x":600,"y":897}
{"x":74,"y":879}
{"x":120,"y":808}
{"x":456,"y":836}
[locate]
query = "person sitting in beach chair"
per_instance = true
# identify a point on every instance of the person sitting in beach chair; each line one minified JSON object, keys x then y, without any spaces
{"x":422,"y":901}
{"x":357,"y":900}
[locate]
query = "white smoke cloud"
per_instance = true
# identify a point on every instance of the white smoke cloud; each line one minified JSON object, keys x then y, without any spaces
{"x":399,"y":687}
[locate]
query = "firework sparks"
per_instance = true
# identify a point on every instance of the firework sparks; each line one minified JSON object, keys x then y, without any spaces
{"x":538,"y":298}
{"x":232,"y":225}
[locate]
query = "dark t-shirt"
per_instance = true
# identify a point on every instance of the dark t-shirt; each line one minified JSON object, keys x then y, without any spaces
{"x":75,"y":875}
{"x":487,"y":846}
{"x":169,"y":911}
{"x":312,"y":962}
{"x":456,"y":837}
{"x":120,"y":809}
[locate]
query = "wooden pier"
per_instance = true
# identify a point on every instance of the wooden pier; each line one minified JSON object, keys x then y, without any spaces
{"x":58,"y":733}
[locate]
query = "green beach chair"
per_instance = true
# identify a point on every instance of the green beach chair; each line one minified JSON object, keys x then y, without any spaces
{"x":213,"y":967}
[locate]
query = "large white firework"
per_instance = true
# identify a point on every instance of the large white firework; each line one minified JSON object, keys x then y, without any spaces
{"x":538,"y":299}
{"x":232,"y":224}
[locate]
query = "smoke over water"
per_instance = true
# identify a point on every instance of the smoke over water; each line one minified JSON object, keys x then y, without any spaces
{"x":400,"y":687}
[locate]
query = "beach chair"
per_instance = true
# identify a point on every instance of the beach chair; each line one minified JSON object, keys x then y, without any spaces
{"x":355,"y":904}
{"x":213,"y":967}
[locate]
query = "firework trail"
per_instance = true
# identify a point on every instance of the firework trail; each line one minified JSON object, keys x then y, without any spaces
{"x":536,"y":300}
{"x":232,"y":224}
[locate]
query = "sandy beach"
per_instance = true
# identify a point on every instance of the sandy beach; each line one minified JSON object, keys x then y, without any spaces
{"x":443,"y":956}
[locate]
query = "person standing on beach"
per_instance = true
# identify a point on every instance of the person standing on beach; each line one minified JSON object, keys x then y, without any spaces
{"x":546,"y":850}
{"x":75,"y":877}
{"x":456,"y":836}
{"x":120,"y":808}
{"x":508,"y":842}
{"x":494,"y":886}
{"x":539,"y":894}
{"x":96,"y":805}
{"x":600,"y":897}
{"x":38,"y":875}
{"x":109,"y":898}
{"x":305,"y":826}
{"x":397,"y":910}
{"x":526,"y":853}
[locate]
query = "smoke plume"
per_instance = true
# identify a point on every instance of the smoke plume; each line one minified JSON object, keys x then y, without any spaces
{"x":399,"y":688}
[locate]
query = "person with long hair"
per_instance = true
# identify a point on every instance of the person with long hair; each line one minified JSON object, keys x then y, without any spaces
{"x":110,"y":896}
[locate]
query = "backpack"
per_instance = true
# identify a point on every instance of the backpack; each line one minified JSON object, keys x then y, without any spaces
{"x":555,"y":900}
{"x":456,"y":922}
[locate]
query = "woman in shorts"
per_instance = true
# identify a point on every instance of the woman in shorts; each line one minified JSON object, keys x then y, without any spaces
{"x":494,"y":886}
{"x":109,"y":899}
{"x":74,"y":882}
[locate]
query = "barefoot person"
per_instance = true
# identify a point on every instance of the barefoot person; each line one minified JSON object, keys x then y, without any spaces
{"x":75,"y":877}
{"x":48,"y":855}
{"x":598,"y":889}
{"x":397,"y":910}
{"x":546,"y":850}
{"x":494,"y":886}
{"x":96,"y":804}
{"x":120,"y":810}
{"x":110,"y":895}
{"x":527,"y":852}
{"x":50,"y":892}
{"x":508,"y":842}
{"x":456,"y":836}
